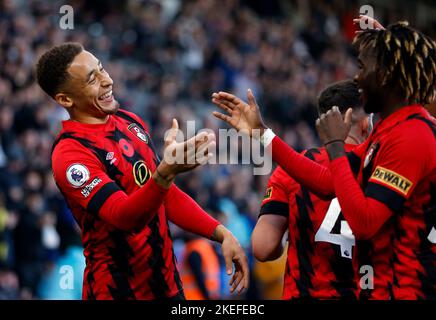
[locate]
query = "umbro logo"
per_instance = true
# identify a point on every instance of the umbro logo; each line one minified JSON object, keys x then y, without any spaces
{"x":110,"y":157}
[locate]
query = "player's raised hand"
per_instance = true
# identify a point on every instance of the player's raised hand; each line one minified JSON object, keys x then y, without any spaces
{"x":332,"y":127}
{"x":234,"y":256}
{"x":186,"y":155}
{"x":367,"y":21}
{"x":242,"y":116}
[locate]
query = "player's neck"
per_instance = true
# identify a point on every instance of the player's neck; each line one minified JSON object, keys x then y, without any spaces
{"x":88,"y":119}
{"x":392,"y":103}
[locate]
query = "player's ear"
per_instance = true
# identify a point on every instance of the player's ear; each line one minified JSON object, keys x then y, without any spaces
{"x":64,"y":100}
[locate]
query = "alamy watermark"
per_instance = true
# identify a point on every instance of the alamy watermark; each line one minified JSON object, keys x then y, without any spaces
{"x":366,"y":10}
{"x":66,"y":21}
{"x":66,"y":280}
{"x":231,"y":147}
{"x":367,"y":279}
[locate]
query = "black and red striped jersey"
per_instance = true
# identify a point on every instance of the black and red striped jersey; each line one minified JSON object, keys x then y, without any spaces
{"x":397,"y":166}
{"x":90,"y":163}
{"x":321,"y":244}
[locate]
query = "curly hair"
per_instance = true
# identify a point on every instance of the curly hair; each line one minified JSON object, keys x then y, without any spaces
{"x":405,"y":58}
{"x":51,"y":69}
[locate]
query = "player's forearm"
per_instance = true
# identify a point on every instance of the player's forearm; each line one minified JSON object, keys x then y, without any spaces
{"x":308,"y":173}
{"x":183,"y":211}
{"x":133,"y":212}
{"x":364,"y":215}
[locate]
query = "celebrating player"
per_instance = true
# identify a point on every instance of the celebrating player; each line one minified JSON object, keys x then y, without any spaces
{"x":105,"y":165}
{"x":320,"y":245}
{"x":391,"y":206}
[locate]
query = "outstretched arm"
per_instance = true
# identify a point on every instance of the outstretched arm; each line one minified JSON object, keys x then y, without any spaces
{"x":103,"y":197}
{"x":246,"y":117}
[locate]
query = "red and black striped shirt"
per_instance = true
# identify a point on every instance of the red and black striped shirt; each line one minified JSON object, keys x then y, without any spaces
{"x":91,"y":163}
{"x":320,"y":250}
{"x":397,"y":167}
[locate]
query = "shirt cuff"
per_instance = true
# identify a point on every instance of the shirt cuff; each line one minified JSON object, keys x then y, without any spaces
{"x":267,"y":137}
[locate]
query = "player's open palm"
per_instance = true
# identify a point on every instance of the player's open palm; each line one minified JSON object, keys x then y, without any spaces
{"x":187,"y":155}
{"x":242,"y":116}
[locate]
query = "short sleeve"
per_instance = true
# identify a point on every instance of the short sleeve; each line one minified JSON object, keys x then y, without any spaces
{"x":276,"y":198}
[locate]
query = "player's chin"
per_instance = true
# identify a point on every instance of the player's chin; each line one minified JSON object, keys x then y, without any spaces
{"x":108,"y":107}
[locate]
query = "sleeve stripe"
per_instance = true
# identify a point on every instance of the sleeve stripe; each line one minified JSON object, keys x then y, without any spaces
{"x":386,"y":195}
{"x":101,"y":196}
{"x":276,"y":208}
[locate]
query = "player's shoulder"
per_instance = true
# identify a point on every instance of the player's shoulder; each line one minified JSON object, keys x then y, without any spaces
{"x":280,"y":178}
{"x":413,"y":139}
{"x":280,"y":174}
{"x":417,"y":131}
{"x":64,"y":142}
{"x":423,"y":122}
{"x":67,"y":146}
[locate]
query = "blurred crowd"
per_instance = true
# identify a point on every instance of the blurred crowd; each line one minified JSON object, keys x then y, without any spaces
{"x":166,"y":58}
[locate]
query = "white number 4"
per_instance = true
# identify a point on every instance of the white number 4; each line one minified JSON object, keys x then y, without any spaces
{"x":345,"y":239}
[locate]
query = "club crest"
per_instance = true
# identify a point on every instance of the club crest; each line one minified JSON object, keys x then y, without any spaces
{"x":139,"y":132}
{"x":370,"y":154}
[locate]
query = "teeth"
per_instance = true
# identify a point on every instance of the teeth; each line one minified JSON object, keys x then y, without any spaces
{"x":106,"y":95}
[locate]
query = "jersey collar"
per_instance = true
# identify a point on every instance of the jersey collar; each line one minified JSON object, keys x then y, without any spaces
{"x":400,"y":115}
{"x":72,"y":125}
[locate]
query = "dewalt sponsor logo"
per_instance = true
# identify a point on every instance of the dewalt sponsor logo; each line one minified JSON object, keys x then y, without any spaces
{"x":392,"y":179}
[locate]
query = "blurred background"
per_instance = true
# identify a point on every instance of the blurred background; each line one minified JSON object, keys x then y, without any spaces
{"x":166,"y":58}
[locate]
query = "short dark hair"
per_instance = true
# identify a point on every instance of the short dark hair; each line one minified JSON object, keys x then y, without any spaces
{"x":343,"y":94}
{"x":51,"y":69}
